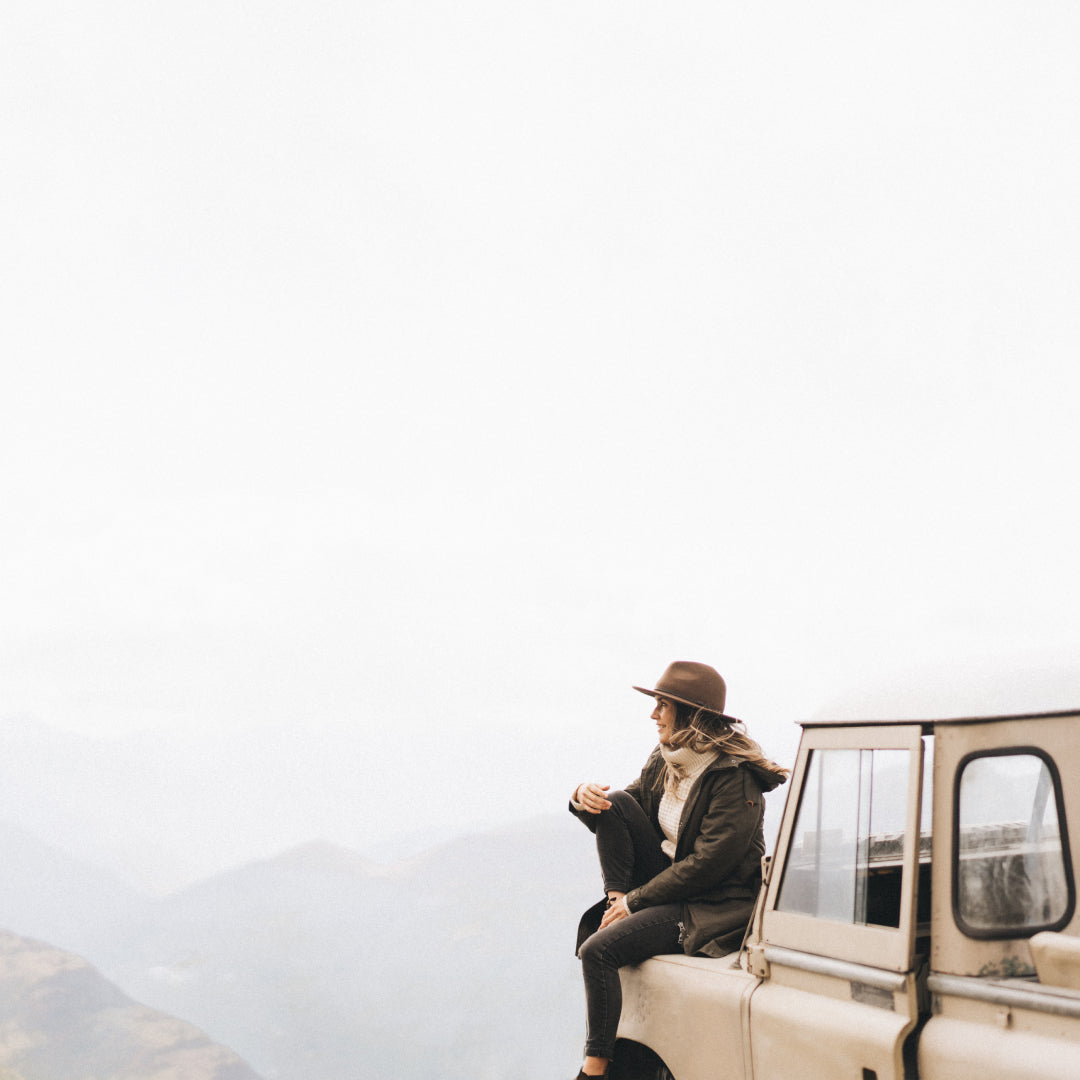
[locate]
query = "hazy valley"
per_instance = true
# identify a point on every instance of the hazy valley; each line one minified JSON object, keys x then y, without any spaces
{"x":318,"y":963}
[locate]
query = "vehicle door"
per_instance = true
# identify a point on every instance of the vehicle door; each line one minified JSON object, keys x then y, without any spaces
{"x":1005,"y":962}
{"x":839,"y":925}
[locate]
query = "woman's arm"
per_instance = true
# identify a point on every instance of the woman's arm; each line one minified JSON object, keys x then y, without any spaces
{"x":589,"y":799}
{"x":588,"y":811}
{"x":727,"y":830}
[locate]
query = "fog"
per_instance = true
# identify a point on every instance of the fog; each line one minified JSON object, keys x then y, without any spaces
{"x":388,"y":387}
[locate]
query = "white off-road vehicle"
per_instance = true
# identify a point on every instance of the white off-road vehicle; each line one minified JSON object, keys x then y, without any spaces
{"x":918,"y":918}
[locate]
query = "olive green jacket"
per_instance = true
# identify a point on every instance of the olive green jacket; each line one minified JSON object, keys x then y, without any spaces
{"x":716,"y":872}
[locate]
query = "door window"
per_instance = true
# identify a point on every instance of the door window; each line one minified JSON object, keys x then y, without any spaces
{"x":845,"y":862}
{"x":1012,"y":875}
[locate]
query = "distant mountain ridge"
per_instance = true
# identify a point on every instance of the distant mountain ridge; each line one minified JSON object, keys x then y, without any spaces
{"x":163,"y":809}
{"x":63,"y":1021}
{"x":320,"y":963}
{"x":46,"y":893}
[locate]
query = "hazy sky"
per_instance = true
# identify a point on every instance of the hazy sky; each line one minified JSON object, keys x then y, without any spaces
{"x":440,"y":369}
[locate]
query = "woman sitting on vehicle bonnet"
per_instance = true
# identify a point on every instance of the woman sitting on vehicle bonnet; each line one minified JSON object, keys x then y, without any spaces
{"x":680,"y":849}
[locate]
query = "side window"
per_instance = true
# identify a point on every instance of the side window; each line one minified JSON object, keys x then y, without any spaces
{"x":1012,"y":876}
{"x":845,"y":858}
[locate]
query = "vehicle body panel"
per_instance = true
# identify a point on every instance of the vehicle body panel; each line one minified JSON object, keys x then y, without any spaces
{"x":691,"y":1011}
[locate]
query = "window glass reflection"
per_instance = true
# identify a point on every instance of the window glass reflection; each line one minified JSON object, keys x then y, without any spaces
{"x":1011,"y":869}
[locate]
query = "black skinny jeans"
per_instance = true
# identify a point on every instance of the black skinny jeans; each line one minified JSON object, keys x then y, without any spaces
{"x":630,"y":855}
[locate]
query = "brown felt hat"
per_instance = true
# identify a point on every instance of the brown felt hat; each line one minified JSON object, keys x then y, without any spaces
{"x":691,"y":684}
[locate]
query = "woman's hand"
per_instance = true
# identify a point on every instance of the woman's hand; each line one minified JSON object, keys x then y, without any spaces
{"x":592,"y":797}
{"x":617,"y":909}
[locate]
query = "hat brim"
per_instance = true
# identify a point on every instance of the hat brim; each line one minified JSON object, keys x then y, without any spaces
{"x":682,"y":701}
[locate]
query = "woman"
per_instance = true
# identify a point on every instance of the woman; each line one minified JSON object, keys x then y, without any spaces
{"x":680,"y":849}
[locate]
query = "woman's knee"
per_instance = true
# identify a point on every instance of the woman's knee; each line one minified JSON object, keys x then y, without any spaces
{"x":623,"y":802}
{"x":625,"y":808}
{"x":591,"y":952}
{"x":633,"y":939}
{"x":621,"y":813}
{"x":602,"y":949}
{"x":625,"y":813}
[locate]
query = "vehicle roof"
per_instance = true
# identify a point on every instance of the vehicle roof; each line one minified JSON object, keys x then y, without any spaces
{"x":849,"y":721}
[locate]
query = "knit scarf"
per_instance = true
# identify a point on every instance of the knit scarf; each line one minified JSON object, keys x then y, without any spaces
{"x":685,"y":764}
{"x":684,"y":767}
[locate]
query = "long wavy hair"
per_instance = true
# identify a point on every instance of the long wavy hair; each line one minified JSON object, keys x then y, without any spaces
{"x":703,"y":730}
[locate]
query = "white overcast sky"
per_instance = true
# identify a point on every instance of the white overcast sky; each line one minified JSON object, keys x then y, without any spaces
{"x":439,"y":369}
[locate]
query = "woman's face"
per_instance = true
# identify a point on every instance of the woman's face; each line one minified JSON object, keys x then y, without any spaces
{"x":664,"y":715}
